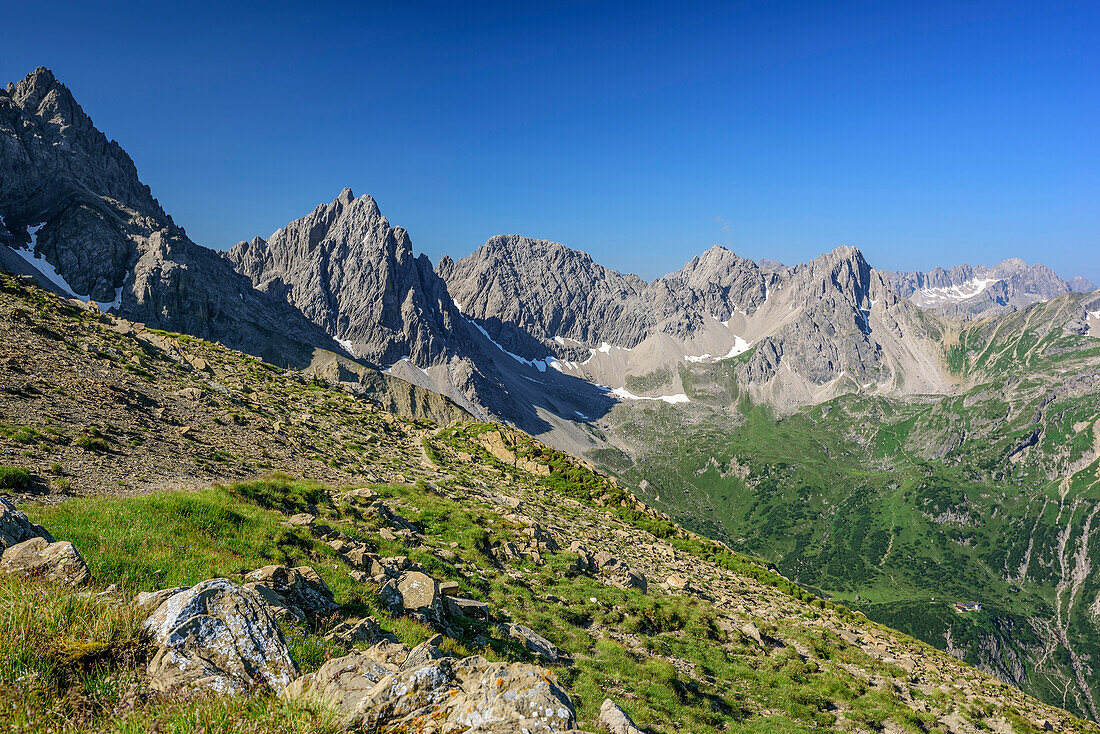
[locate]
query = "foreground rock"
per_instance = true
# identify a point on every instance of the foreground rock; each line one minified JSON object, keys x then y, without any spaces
{"x":217,"y":636}
{"x":393,"y":688}
{"x":16,"y":528}
{"x":39,"y":558}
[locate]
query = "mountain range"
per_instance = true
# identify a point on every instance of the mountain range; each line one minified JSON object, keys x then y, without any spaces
{"x":919,"y":396}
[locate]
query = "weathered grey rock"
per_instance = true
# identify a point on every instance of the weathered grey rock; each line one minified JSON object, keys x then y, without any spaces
{"x":354,"y":631}
{"x":615,"y":720}
{"x":39,"y":558}
{"x":148,"y":601}
{"x":420,"y":594}
{"x":456,"y":606}
{"x":217,"y":636}
{"x":300,"y":591}
{"x":677,"y":582}
{"x":533,"y":641}
{"x":16,"y":528}
{"x":392,"y":688}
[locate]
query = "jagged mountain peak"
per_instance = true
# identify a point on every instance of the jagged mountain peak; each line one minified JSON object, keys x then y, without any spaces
{"x":350,"y":272}
{"x":75,"y":215}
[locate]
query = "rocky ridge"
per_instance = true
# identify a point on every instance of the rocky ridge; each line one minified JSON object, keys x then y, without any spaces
{"x":74,"y":214}
{"x":963,"y":291}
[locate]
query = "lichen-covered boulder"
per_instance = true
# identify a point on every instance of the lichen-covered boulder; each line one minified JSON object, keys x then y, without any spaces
{"x":15,"y":528}
{"x":39,"y":558}
{"x":392,"y":688}
{"x":217,"y":636}
{"x":419,"y":594}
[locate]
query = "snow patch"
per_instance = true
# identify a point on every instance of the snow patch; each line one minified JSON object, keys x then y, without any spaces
{"x":346,"y":345}
{"x":623,"y":393}
{"x":961,"y":292}
{"x":539,"y":364}
{"x":740,"y":346}
{"x":43,"y":266}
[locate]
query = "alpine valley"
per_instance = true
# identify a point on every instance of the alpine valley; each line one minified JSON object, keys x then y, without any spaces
{"x":831,"y":449}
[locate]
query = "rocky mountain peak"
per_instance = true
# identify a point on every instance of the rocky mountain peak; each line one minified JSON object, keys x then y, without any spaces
{"x":351,"y":273}
{"x":74,"y":214}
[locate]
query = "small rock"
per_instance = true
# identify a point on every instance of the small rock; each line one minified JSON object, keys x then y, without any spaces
{"x":616,"y":720}
{"x":16,"y":528}
{"x":300,"y":591}
{"x":419,"y":594}
{"x":354,"y":631}
{"x":677,"y":582}
{"x":39,"y":558}
{"x":448,"y":588}
{"x":456,"y":606}
{"x":190,"y":393}
{"x":533,"y":641}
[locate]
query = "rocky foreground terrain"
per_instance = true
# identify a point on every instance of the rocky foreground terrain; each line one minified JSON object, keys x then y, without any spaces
{"x":417,"y":577}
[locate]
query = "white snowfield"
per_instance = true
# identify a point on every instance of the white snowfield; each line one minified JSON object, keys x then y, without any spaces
{"x":740,"y":346}
{"x":624,"y":394}
{"x":961,"y":292}
{"x":539,"y":364}
{"x":43,"y":266}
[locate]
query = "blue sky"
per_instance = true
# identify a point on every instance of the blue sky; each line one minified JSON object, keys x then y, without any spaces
{"x":923,"y":133}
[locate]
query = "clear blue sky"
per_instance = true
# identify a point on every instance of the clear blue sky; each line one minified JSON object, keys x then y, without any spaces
{"x":924,"y":133}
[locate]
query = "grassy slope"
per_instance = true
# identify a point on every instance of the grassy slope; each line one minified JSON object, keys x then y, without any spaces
{"x":675,"y":661}
{"x":909,"y":505}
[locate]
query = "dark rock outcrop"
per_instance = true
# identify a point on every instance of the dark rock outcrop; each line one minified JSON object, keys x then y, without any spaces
{"x":72,"y":206}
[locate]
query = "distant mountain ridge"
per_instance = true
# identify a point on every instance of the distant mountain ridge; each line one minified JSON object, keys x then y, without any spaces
{"x":984,"y":291}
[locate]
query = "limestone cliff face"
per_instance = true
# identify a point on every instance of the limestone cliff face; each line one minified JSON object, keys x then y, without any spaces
{"x":71,"y":202}
{"x":352,"y":274}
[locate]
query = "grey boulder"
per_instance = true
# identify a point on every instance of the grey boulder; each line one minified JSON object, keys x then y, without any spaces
{"x":39,"y":558}
{"x":16,"y":528}
{"x":217,"y":636}
{"x":390,"y":687}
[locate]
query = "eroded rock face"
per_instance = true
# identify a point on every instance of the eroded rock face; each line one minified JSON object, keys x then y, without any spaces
{"x":217,"y":636}
{"x":16,"y":528}
{"x":390,"y":687}
{"x":39,"y":558}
